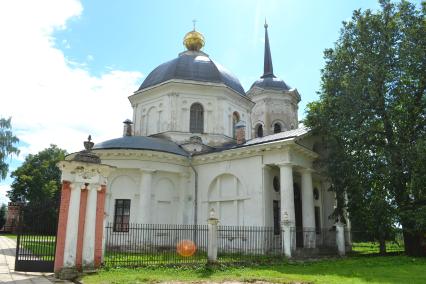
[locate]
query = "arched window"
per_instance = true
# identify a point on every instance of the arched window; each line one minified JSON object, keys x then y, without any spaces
{"x":277,"y":127}
{"x":235,"y":120}
{"x":259,"y":130}
{"x":196,"y":120}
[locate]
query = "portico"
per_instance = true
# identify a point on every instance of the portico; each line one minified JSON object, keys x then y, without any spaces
{"x":302,"y":228}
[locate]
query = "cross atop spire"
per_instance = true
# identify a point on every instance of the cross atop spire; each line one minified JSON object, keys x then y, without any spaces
{"x":194,"y":21}
{"x":268,"y":70}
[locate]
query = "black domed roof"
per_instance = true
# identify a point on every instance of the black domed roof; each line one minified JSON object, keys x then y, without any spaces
{"x":194,"y":66}
{"x":142,"y":143}
{"x":271,"y":83}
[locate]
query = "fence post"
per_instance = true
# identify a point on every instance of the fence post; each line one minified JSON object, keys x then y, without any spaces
{"x":212,"y":237}
{"x":287,"y":241}
{"x":340,"y":238}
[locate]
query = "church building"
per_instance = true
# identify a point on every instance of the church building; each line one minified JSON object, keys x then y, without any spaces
{"x":199,"y":142}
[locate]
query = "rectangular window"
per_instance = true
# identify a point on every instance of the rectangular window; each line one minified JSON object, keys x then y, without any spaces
{"x":122,"y":215}
{"x":317,"y":219}
{"x":276,"y":212}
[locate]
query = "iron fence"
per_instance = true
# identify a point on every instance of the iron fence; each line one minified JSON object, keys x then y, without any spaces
{"x":36,"y":242}
{"x":248,"y":244}
{"x":153,"y":244}
{"x":321,"y":238}
{"x":158,"y":244}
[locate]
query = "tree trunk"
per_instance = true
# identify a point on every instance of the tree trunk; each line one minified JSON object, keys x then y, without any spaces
{"x":382,"y":246}
{"x":414,"y":244}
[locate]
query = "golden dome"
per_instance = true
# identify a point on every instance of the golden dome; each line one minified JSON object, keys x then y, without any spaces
{"x":193,"y":40}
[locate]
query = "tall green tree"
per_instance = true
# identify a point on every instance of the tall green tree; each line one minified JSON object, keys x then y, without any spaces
{"x":37,"y":182}
{"x":372,"y":115}
{"x":8,"y":145}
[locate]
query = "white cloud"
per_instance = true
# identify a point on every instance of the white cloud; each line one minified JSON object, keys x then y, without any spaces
{"x":51,"y":99}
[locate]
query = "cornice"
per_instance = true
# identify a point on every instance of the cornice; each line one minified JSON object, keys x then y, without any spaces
{"x":140,"y":155}
{"x":254,"y":150}
{"x":179,"y":83}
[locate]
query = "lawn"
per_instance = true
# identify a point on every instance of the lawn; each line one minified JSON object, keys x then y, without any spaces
{"x":360,"y":269}
{"x":373,"y":247}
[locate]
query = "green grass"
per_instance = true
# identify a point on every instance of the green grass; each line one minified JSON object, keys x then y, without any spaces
{"x":361,"y":269}
{"x":373,"y":247}
{"x":41,"y":246}
{"x":44,"y":250}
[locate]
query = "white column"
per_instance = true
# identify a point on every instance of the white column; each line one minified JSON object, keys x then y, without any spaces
{"x":287,"y":207}
{"x":89,"y":226}
{"x":182,"y":211}
{"x":287,"y":193}
{"x":72,"y":225}
{"x":145,"y":197}
{"x":308,"y":212}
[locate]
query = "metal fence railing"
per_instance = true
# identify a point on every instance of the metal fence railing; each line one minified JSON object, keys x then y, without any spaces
{"x":248,"y":243}
{"x":161,"y":244}
{"x":152,"y":244}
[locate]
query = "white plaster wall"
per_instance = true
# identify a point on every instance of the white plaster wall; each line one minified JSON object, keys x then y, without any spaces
{"x":166,"y":195}
{"x":248,"y":172}
{"x":167,"y":108}
{"x":123,"y":184}
{"x":271,"y":107}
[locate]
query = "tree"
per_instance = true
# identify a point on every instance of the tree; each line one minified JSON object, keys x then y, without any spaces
{"x":372,"y":115}
{"x":37,"y":181}
{"x":8,"y":143}
{"x":3,"y":210}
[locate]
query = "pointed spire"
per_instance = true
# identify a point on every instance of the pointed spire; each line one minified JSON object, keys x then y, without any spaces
{"x":268,"y":70}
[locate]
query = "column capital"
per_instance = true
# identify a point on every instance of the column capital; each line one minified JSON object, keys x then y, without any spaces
{"x":284,"y":164}
{"x":147,"y":171}
{"x":306,"y":171}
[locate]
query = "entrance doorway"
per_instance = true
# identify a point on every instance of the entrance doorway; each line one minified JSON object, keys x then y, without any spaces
{"x":298,"y":215}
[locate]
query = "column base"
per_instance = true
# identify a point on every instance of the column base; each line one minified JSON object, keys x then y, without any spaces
{"x":67,"y":273}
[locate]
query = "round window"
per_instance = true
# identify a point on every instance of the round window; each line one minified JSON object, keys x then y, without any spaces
{"x":316,"y":193}
{"x":276,"y":183}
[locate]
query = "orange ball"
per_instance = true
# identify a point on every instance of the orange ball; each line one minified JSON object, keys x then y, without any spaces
{"x":186,"y":248}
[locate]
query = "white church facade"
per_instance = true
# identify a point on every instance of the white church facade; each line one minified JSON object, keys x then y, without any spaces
{"x":198,"y":141}
{"x":182,"y":151}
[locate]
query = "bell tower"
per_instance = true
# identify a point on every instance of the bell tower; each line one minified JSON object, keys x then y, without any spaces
{"x":276,"y":104}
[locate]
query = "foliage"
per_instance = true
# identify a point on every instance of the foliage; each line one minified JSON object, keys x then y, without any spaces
{"x":372,"y":115}
{"x":8,"y":143}
{"x":3,"y":210}
{"x":37,"y":182}
{"x":390,"y":269}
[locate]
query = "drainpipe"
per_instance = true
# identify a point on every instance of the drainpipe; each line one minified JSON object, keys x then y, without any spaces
{"x":195,"y":198}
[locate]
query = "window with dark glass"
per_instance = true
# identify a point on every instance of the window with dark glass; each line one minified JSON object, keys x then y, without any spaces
{"x":316,"y":193}
{"x":276,"y":212}
{"x":317,"y":220}
{"x":259,"y":131}
{"x":122,"y":215}
{"x":196,"y":123}
{"x":235,"y":120}
{"x":277,"y":128}
{"x":276,"y":183}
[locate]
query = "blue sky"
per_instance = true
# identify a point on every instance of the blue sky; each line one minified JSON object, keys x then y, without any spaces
{"x":70,"y":65}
